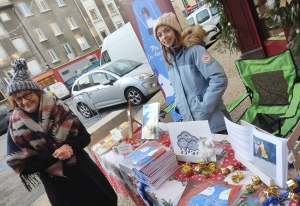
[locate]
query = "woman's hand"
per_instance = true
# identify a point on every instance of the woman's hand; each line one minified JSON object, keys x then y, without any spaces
{"x":63,"y":153}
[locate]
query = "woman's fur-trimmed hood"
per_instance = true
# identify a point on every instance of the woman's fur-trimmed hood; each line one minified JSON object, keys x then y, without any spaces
{"x":194,"y":35}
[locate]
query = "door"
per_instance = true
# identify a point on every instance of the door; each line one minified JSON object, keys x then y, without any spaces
{"x":240,"y":16}
{"x":105,"y":94}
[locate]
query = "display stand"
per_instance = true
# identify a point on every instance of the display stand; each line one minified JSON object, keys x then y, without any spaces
{"x":252,"y":168}
{"x":131,"y":120}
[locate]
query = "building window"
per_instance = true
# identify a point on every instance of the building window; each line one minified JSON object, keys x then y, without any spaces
{"x":72,"y":23}
{"x":34,"y":67}
{"x":68,"y":51}
{"x":94,"y":15}
{"x":42,"y":4}
{"x":20,"y":44}
{"x":60,"y":3}
{"x":40,"y":34}
{"x":111,"y":9}
{"x":93,"y":59}
{"x":55,"y":28}
{"x":3,"y":54}
{"x":119,"y":25}
{"x":103,"y":34}
{"x":2,"y":31}
{"x":65,"y":72}
{"x":83,"y":43}
{"x":53,"y":55}
{"x":25,"y":10}
{"x":4,"y":17}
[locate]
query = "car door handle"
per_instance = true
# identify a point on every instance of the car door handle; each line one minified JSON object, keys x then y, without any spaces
{"x":90,"y":93}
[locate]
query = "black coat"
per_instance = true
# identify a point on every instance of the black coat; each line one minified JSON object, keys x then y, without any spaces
{"x":83,"y":184}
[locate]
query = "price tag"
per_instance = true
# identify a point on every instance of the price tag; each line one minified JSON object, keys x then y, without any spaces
{"x":123,"y":149}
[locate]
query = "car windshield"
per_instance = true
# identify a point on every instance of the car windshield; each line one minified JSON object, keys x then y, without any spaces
{"x":122,"y":67}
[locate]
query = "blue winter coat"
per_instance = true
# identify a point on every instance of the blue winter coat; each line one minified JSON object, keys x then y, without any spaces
{"x":199,"y":82}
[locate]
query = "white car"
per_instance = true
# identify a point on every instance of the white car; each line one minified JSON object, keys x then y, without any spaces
{"x":114,"y":83}
{"x":59,"y":90}
{"x":213,"y":33}
{"x":208,"y":18}
{"x":205,"y":15}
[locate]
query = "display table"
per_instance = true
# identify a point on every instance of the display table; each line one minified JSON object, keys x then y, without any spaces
{"x":169,"y":193}
{"x":124,"y":182}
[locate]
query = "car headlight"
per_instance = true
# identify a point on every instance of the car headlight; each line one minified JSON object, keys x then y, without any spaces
{"x":142,"y":76}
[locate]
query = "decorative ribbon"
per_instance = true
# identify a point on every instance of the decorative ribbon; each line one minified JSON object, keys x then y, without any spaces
{"x":274,"y":197}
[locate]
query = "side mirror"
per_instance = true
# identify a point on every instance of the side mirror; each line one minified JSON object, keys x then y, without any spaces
{"x":108,"y":82}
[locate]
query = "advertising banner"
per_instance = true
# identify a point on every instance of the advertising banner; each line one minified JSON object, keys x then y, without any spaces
{"x":142,"y":14}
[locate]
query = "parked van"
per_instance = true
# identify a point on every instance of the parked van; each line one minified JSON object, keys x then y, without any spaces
{"x":205,"y":15}
{"x":122,"y":44}
{"x":59,"y":90}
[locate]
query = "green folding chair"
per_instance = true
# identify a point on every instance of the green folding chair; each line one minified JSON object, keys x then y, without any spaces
{"x":167,"y":110}
{"x":273,"y":87}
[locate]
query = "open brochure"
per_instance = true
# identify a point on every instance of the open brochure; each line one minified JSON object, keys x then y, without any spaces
{"x":266,"y":151}
{"x":210,"y":192}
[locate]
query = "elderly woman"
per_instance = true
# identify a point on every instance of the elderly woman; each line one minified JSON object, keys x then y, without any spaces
{"x":45,"y":141}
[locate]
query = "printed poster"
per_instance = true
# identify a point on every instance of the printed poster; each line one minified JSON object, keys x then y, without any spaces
{"x":145,"y":14}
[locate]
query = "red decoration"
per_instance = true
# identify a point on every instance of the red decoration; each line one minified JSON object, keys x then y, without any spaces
{"x":237,"y":164}
{"x":189,"y":8}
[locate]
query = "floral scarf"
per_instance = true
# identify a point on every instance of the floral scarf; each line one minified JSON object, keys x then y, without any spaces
{"x":56,"y":123}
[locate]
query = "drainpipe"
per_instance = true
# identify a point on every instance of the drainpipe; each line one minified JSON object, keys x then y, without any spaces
{"x":86,"y":22}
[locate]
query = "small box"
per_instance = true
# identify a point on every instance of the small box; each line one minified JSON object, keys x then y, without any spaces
{"x":122,"y":130}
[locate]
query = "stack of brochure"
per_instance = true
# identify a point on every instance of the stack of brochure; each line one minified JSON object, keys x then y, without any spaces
{"x":153,"y":163}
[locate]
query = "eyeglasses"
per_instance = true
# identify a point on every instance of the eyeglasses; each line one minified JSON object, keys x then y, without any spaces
{"x":25,"y":96}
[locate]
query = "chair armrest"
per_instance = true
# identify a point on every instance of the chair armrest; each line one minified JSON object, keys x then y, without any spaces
{"x":231,"y":106}
{"x":294,"y":103}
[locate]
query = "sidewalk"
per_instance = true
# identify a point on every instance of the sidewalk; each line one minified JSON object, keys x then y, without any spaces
{"x":234,"y":90}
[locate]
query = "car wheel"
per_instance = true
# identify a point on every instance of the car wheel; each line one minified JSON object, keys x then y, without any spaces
{"x":135,"y":96}
{"x":84,"y":110}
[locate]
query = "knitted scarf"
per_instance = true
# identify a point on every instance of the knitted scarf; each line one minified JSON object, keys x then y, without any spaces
{"x":56,"y":123}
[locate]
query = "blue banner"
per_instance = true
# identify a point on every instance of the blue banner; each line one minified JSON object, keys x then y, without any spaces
{"x":146,"y":12}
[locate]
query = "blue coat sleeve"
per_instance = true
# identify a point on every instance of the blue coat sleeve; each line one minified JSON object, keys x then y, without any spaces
{"x":214,"y":75}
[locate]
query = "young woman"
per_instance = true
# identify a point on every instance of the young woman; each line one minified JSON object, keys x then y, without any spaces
{"x":198,"y":79}
{"x":45,"y":141}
